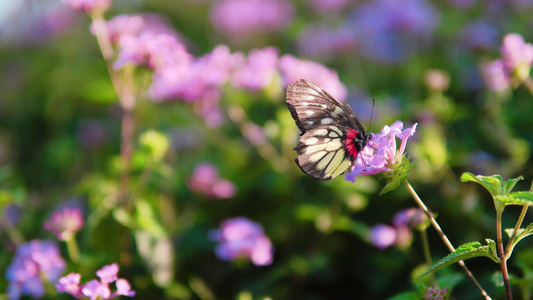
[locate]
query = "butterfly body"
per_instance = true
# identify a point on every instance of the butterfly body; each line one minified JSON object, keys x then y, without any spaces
{"x":332,"y":136}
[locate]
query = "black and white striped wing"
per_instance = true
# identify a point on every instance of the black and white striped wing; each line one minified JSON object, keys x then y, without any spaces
{"x":311,"y":107}
{"x":324,"y":122}
{"x":322,"y":153}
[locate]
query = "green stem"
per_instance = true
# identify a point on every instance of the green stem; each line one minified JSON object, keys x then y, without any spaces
{"x":73,"y":249}
{"x":501,"y":254}
{"x":425,"y":246}
{"x":515,"y":232}
{"x":443,"y":236}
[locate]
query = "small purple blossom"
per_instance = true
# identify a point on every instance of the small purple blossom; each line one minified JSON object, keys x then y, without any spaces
{"x":207,"y":181}
{"x":381,"y":153}
{"x":411,"y":218}
{"x":480,"y":35}
{"x":65,"y":223}
{"x":382,"y":236}
{"x":239,"y":18}
{"x":240,"y":237}
{"x":294,"y":69}
{"x":88,"y":6}
{"x":96,"y":289}
{"x":258,"y":70}
{"x":33,"y":262}
{"x":436,"y":293}
{"x":321,"y":41}
{"x":495,"y":76}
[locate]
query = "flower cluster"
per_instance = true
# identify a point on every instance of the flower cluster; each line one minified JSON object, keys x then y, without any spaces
{"x":400,"y":233}
{"x":148,"y":40}
{"x":65,"y":223}
{"x":207,"y":181}
{"x":96,"y":289}
{"x":88,"y":6}
{"x":516,"y":61}
{"x":34,"y":261}
{"x":236,"y":18}
{"x":240,"y":237}
{"x":436,"y":293}
{"x":381,"y":154}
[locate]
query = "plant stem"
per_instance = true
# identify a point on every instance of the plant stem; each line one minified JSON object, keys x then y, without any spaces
{"x":443,"y":236}
{"x":516,"y":228}
{"x":73,"y":249}
{"x":501,"y":254}
{"x":124,"y":87}
{"x":425,"y":246}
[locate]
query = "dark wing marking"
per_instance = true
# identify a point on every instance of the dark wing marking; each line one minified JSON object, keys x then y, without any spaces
{"x":311,"y":106}
{"x":322,"y":153}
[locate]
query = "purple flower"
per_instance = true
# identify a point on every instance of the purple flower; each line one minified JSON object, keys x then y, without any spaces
{"x":245,"y":17}
{"x":386,"y":29}
{"x":382,"y":236}
{"x":381,"y":154}
{"x":321,"y":41}
{"x":88,"y":5}
{"x":479,"y":35}
{"x":517,"y":55}
{"x":411,"y":218}
{"x":33,"y":262}
{"x":207,"y":181}
{"x":258,"y":70}
{"x":294,"y":69}
{"x":495,"y":76}
{"x":65,"y":223}
{"x":436,"y":293}
{"x":96,"y":289}
{"x":240,"y":237}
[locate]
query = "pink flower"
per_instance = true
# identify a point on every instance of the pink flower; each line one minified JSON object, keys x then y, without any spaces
{"x":65,"y":223}
{"x":294,"y":69}
{"x":381,"y":152}
{"x":517,"y":55}
{"x":495,"y":76}
{"x":207,"y":181}
{"x":244,"y":17}
{"x":96,"y":289}
{"x":382,"y":236}
{"x":88,"y":5}
{"x":258,"y":70}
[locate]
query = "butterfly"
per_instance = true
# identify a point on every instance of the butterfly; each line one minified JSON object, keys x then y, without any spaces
{"x":331,"y":137}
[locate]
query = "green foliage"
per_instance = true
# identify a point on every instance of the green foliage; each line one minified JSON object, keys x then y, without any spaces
{"x":466,"y":251}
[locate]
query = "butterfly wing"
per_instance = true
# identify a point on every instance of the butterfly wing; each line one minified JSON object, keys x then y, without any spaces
{"x":322,"y":154}
{"x":324,"y":122}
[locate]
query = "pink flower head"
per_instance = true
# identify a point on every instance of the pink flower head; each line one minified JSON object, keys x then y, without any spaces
{"x":96,"y":289}
{"x":258,"y":70}
{"x":381,"y":152}
{"x":294,"y":69}
{"x":411,"y":218}
{"x":33,"y":262}
{"x":207,"y":181}
{"x":382,"y":236}
{"x":244,"y":17}
{"x":495,"y":76}
{"x":240,"y":237}
{"x":88,"y":5}
{"x":515,"y":51}
{"x":65,"y":223}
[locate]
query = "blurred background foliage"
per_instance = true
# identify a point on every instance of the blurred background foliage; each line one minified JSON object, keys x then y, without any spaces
{"x":60,"y":139}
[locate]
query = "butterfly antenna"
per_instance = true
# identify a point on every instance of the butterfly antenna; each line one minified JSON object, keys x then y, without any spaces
{"x":372,"y":113}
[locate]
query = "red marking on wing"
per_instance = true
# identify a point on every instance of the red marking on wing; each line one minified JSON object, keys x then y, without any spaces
{"x":351,"y":135}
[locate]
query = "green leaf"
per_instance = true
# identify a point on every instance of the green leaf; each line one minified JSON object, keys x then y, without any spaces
{"x":492,"y":183}
{"x":522,"y":233}
{"x":516,"y":198}
{"x":398,"y":172}
{"x":508,"y":186}
{"x":469,"y":250}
